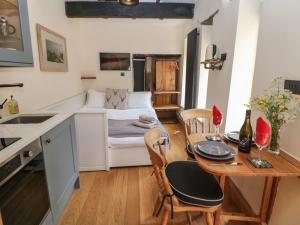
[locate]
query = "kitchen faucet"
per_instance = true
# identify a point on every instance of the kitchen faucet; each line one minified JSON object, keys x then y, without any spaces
{"x":1,"y":107}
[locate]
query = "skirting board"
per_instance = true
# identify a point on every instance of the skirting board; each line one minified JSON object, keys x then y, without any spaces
{"x":93,"y":168}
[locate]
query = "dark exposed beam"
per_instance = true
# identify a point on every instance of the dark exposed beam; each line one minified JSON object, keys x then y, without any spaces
{"x":81,"y":9}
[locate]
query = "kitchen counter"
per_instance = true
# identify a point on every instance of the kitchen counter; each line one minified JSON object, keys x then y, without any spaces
{"x":28,"y":132}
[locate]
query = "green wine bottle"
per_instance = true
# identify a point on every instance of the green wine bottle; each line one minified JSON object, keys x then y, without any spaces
{"x":246,"y":133}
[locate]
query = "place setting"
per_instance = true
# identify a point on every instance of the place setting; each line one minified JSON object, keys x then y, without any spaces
{"x":214,"y":148}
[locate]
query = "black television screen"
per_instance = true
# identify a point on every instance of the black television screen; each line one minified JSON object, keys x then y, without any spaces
{"x":114,"y":61}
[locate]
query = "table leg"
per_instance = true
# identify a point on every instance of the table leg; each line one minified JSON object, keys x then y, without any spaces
{"x":273,"y":197}
{"x":266,"y":199}
{"x":219,"y":211}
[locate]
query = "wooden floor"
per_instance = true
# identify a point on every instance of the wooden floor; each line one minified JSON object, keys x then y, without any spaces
{"x":125,"y":196}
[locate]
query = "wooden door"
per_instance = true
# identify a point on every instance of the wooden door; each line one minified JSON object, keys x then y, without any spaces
{"x":166,"y":72}
{"x":191,"y":70}
{"x":138,"y":74}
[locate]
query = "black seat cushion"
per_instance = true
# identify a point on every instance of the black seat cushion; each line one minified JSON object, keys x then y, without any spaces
{"x":192,"y":185}
{"x":189,"y":152}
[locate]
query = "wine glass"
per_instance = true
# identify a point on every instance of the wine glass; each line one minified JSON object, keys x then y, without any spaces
{"x":217,"y":121}
{"x":262,"y":140}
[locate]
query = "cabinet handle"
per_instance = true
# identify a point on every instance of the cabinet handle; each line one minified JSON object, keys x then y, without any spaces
{"x":48,"y":141}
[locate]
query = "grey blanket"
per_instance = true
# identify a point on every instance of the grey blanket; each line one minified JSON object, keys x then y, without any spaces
{"x":125,"y":128}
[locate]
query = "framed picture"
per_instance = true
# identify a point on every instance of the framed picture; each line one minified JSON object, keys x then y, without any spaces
{"x":52,"y":50}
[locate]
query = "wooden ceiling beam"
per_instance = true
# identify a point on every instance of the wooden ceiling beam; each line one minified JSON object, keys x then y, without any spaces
{"x":84,"y":9}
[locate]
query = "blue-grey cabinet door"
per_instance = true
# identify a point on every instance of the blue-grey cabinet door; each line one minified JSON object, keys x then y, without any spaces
{"x":15,"y":41}
{"x":61,"y":165}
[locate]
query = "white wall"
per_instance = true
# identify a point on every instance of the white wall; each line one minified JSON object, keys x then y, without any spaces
{"x":243,"y":63}
{"x":204,"y":40}
{"x":278,"y":54}
{"x":139,"y":36}
{"x":224,"y":36}
{"x":214,"y":86}
{"x":44,"y":88}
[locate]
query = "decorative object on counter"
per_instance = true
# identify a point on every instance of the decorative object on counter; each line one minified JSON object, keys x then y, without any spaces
{"x":246,"y":134}
{"x":213,"y":58}
{"x":262,"y":139}
{"x":13,"y":106}
{"x":52,"y":50}
{"x":280,"y":107}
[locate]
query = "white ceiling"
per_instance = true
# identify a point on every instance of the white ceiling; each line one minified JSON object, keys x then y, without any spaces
{"x":162,"y":1}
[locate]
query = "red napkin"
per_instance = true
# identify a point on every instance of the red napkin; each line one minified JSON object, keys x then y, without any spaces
{"x":217,"y":116}
{"x":263,"y":131}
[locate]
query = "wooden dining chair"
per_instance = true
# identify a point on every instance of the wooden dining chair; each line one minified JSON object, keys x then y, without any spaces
{"x":183,"y":185}
{"x":195,"y":121}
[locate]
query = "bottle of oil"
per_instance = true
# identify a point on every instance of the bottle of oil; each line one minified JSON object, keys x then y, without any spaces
{"x":13,"y":106}
{"x":246,"y":133}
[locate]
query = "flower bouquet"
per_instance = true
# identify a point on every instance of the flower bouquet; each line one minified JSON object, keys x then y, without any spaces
{"x":280,"y":107}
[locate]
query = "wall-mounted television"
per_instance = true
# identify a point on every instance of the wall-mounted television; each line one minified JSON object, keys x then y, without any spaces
{"x":114,"y":61}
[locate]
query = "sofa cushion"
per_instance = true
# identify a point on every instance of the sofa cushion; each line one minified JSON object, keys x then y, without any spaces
{"x":116,"y":98}
{"x":139,"y":100}
{"x":95,"y":99}
{"x":192,"y":185}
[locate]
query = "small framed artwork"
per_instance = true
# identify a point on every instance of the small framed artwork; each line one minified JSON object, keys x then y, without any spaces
{"x":52,"y":50}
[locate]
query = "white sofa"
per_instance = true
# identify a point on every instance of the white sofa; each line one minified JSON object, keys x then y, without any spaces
{"x":98,"y":151}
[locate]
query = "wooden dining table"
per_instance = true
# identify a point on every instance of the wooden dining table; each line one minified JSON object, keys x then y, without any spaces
{"x":283,"y":166}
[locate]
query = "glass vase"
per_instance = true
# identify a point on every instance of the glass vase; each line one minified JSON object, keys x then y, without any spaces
{"x":274,"y":146}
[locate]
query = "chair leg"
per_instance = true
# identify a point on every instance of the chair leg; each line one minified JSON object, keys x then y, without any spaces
{"x":209,"y":219}
{"x":156,"y":207}
{"x":165,"y":217}
{"x":189,"y":218}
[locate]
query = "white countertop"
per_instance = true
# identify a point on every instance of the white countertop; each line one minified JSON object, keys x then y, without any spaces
{"x":28,"y":132}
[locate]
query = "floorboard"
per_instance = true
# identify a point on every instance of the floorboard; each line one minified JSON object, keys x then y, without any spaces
{"x":126,"y":196}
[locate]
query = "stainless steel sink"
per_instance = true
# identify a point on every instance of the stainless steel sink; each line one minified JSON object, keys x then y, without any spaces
{"x":28,"y":119}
